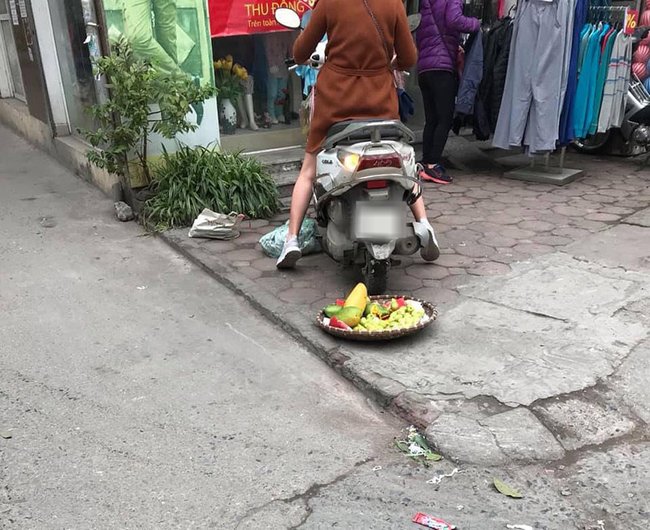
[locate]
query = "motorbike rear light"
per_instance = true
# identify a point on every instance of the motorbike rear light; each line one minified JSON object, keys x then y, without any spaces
{"x":350,"y":161}
{"x":379,"y":162}
{"x":376,"y":184}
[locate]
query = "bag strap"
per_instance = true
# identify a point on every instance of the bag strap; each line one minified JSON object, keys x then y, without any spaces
{"x":381,"y":33}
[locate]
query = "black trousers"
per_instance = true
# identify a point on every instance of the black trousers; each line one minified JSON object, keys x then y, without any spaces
{"x":439,"y":94}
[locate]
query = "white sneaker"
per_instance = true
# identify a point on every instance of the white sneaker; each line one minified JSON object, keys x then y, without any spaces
{"x":290,"y":254}
{"x":430,"y":249}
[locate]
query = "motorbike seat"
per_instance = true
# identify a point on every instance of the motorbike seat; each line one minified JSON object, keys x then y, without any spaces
{"x":389,"y":132}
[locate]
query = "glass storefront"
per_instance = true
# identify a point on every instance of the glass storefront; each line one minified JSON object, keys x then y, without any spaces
{"x":274,"y":94}
{"x":9,"y":49}
{"x":74,"y":25}
{"x":271,"y":95}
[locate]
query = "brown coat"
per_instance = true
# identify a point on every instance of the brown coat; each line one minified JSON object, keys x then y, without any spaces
{"x":356,"y":82}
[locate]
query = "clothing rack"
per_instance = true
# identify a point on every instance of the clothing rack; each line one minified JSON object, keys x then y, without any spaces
{"x":557,"y":173}
{"x":547,"y":174}
{"x":607,"y":10}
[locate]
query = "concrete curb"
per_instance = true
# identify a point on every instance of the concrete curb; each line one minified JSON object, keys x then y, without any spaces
{"x":381,"y":389}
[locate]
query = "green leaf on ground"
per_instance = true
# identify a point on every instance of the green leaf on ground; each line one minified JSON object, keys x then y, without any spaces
{"x":504,"y":489}
{"x":6,"y":435}
{"x":419,"y":439}
{"x":429,"y":455}
{"x":402,"y":446}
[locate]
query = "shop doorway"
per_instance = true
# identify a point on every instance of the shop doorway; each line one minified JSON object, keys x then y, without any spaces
{"x":27,"y":52}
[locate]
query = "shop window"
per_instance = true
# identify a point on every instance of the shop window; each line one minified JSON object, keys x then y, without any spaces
{"x":70,"y":18}
{"x":271,"y":96}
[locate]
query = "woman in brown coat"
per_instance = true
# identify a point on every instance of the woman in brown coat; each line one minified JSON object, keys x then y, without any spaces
{"x":355,"y":83}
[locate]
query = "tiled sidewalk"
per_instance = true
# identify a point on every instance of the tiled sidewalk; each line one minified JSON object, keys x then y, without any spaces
{"x":484,"y":223}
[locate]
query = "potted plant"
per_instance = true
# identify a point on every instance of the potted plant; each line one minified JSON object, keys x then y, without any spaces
{"x":228,"y":80}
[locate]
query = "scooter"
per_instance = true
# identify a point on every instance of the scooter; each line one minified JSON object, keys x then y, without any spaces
{"x":366,"y":176}
{"x":633,"y":137}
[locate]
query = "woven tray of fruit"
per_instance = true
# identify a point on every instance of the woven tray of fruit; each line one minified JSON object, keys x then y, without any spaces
{"x":375,"y":318}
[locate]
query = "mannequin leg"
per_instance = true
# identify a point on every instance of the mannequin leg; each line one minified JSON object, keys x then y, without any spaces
{"x":280,"y":97}
{"x":272,"y":89}
{"x":250,"y":108}
{"x":243,"y":117}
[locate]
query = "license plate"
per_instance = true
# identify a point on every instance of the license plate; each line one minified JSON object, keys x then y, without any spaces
{"x":382,"y":223}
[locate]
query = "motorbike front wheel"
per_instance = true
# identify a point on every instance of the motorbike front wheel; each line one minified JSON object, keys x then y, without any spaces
{"x":375,"y":275}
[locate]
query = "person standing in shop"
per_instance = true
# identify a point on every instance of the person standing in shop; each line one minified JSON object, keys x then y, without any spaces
{"x":438,"y":40}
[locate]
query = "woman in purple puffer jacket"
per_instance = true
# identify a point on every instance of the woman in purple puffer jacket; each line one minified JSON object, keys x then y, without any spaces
{"x":438,"y":39}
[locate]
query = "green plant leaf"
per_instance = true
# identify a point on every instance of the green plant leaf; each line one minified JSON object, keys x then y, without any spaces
{"x":504,"y":489}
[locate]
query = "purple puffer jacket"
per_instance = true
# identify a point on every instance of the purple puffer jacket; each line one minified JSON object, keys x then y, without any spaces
{"x":438,"y":36}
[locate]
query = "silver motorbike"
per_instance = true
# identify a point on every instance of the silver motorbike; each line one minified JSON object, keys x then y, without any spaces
{"x":366,"y":178}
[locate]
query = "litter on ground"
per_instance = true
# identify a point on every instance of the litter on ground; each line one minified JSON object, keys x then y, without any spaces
{"x":416,"y":447}
{"x":439,"y":478}
{"x":431,"y":522}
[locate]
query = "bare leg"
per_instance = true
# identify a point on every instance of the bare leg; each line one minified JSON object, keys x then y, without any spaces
{"x":302,"y":194}
{"x":418,"y":209}
{"x":430,"y":250}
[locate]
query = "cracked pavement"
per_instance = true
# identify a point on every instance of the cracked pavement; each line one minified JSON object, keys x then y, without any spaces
{"x":139,"y":393}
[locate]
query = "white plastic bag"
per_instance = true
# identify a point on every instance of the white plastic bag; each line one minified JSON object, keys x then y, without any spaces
{"x":214,"y":225}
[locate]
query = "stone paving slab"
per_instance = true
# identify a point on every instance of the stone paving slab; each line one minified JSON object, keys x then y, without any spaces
{"x":584,"y":421}
{"x":641,"y":218}
{"x":516,"y":435}
{"x":623,"y":246}
{"x":526,"y":315}
{"x":631,"y":381}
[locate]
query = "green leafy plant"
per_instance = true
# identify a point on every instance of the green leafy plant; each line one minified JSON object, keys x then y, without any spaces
{"x":192,"y":179}
{"x":129,"y":115}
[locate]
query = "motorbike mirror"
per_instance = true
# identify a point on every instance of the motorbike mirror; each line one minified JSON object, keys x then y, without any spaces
{"x":414,"y":22}
{"x":287,"y":17}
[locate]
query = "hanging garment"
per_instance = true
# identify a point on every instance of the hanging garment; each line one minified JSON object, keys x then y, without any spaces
{"x":532,"y":96}
{"x":609,"y":90}
{"x":584,"y":43}
{"x":603,"y":68}
{"x":500,"y":72}
{"x":585,"y":96}
{"x":568,"y":43}
{"x":566,"y":119}
{"x":472,"y":76}
{"x":589,"y":113}
{"x":623,"y":74}
{"x":496,"y":50}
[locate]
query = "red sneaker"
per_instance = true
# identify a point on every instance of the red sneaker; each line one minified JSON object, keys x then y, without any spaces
{"x":436,"y":174}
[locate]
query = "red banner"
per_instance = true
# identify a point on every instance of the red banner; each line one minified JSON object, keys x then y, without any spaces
{"x":245,"y":17}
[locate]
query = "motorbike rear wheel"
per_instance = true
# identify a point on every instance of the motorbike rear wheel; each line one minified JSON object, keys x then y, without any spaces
{"x":375,"y":275}
{"x":597,"y":143}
